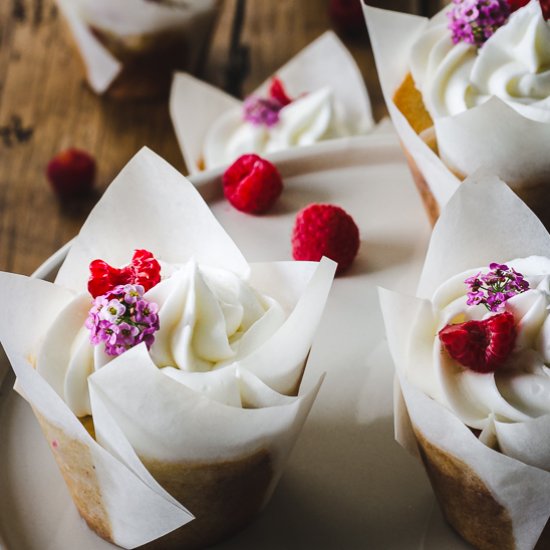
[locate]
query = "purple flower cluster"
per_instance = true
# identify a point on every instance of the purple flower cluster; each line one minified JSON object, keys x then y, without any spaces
{"x":494,"y":288}
{"x":261,"y":111}
{"x":474,"y":21}
{"x":122,"y":318}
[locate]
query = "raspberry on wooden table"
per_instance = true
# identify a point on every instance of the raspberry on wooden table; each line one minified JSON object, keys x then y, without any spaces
{"x":482,"y":346}
{"x":71,"y":172}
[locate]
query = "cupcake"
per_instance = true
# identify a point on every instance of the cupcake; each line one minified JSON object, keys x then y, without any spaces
{"x":168,"y":388}
{"x":472,"y":357}
{"x":317,"y":96}
{"x":130,"y":48}
{"x":463,"y":89}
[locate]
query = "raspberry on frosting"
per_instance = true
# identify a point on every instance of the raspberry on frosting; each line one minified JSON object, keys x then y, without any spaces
{"x":482,"y":346}
{"x":325,"y":230}
{"x":545,"y":7}
{"x":278,"y":93}
{"x":516,"y":4}
{"x":252,"y":184}
{"x":144,"y":270}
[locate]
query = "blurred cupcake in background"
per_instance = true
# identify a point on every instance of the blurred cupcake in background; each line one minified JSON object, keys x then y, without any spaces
{"x":318,"y":96}
{"x":129,"y":48}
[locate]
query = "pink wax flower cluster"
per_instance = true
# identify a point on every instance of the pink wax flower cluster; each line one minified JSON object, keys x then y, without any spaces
{"x":122,"y":318}
{"x":474,"y":21}
{"x":494,"y":288}
{"x":265,"y":110}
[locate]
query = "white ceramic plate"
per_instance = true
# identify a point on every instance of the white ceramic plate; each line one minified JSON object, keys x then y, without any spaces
{"x":348,"y":484}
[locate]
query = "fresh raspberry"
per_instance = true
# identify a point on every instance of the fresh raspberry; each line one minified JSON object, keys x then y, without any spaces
{"x":144,"y":270}
{"x":277,"y":91}
{"x":545,"y":7}
{"x":71,"y":172}
{"x":347,"y":16}
{"x":482,"y":346}
{"x":516,"y":4}
{"x":252,"y":184}
{"x":325,"y":230}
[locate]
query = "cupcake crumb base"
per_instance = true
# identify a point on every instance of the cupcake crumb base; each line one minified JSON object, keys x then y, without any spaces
{"x":223,"y":496}
{"x":466,"y":502}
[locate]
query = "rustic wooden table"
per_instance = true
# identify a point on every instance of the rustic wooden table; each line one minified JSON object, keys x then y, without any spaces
{"x":46,"y":107}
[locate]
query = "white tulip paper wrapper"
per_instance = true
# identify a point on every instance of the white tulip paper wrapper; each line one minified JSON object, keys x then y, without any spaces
{"x":130,"y":18}
{"x":470,"y":234}
{"x":137,"y":410}
{"x":485,"y":137}
{"x":196,"y":105}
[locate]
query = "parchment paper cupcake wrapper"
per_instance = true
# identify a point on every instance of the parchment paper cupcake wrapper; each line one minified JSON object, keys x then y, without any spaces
{"x":124,"y":18}
{"x":470,"y":234}
{"x":485,"y":137}
{"x":196,"y":105}
{"x":137,"y":410}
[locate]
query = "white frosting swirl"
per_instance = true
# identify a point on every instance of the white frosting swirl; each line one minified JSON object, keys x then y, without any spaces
{"x":513,"y":65}
{"x":209,"y":319}
{"x":520,"y":389}
{"x":309,"y":119}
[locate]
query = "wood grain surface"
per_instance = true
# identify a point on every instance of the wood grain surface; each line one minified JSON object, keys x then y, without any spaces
{"x":45,"y":106}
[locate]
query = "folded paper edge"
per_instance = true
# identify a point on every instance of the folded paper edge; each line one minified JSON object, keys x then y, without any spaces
{"x":184,"y":87}
{"x":89,"y":47}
